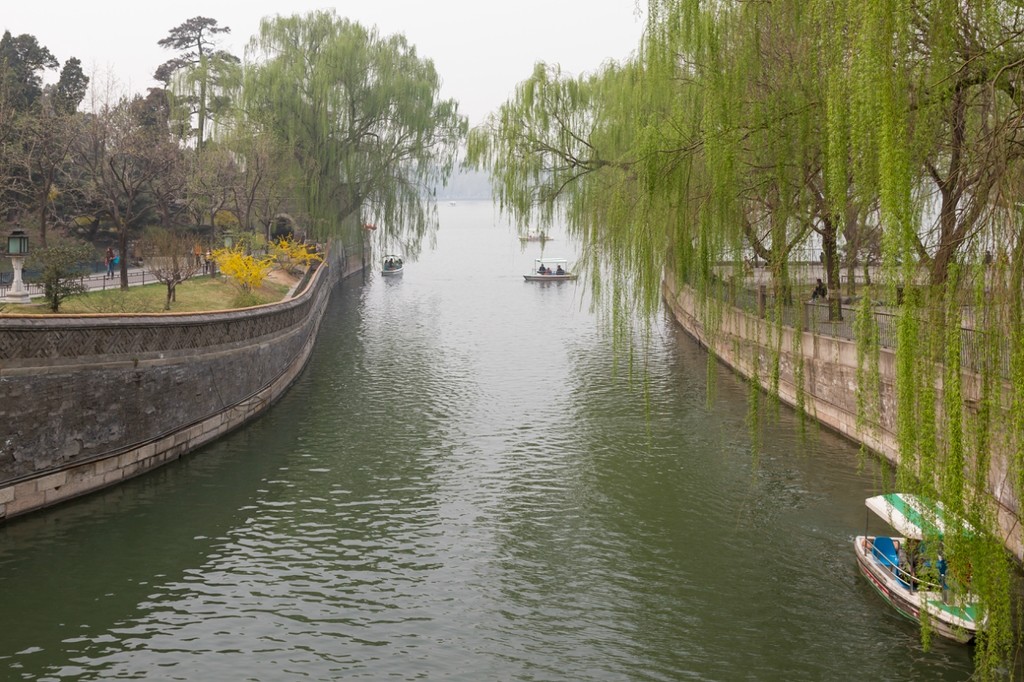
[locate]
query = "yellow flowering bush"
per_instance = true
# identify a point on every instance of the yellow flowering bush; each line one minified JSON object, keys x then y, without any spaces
{"x":245,"y":269}
{"x":290,"y":255}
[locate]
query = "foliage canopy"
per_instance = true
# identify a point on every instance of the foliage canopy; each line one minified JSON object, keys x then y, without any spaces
{"x":882,"y":136}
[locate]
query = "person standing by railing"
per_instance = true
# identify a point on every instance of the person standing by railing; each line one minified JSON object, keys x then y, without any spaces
{"x":820,"y":291}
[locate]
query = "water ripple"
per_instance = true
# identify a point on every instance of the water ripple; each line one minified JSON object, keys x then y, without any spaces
{"x":466,"y":485}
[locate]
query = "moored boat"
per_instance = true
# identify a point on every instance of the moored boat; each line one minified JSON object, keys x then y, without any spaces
{"x":911,"y":579}
{"x":550,"y":270}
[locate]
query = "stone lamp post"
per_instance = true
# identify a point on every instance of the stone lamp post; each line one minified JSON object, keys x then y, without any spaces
{"x":17,"y":249}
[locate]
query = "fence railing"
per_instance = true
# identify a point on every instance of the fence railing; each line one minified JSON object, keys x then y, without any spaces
{"x":816,"y":318}
{"x":94,"y":282}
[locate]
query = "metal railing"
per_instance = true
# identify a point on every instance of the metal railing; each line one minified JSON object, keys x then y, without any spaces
{"x":762,"y":302}
{"x":97,"y":281}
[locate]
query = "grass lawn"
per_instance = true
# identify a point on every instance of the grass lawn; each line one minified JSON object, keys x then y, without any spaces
{"x":199,"y":294}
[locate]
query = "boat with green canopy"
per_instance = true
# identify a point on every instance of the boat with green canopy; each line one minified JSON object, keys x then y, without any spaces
{"x":908,"y":576}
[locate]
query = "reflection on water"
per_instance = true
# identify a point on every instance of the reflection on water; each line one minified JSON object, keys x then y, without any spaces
{"x":462,"y":486}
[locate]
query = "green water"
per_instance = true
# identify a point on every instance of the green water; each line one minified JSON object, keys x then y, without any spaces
{"x":464,"y":485}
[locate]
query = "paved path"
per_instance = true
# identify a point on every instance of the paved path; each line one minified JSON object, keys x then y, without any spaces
{"x":97,"y":281}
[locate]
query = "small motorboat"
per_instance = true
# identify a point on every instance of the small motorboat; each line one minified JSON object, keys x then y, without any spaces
{"x":550,"y":270}
{"x":534,"y":236}
{"x":912,"y":579}
{"x":392,"y":265}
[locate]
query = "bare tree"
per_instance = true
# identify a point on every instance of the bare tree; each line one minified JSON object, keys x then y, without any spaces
{"x":168,"y":257}
{"x":119,"y":157}
{"x":168,"y":189}
{"x":262,"y":185}
{"x":47,"y":137}
{"x":211,"y":182}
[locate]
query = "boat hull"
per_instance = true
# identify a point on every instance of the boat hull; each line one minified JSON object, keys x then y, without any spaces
{"x":549,"y":278}
{"x":391,"y":273}
{"x":945,"y":619}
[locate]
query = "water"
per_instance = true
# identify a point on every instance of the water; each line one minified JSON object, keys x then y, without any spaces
{"x":465,"y":485}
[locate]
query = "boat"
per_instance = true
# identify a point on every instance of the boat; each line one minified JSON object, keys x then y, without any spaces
{"x":534,"y":236}
{"x":391,"y":265}
{"x":550,"y":270}
{"x":917,"y":585}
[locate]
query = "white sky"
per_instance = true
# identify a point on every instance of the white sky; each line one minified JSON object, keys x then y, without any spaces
{"x":481,"y":48}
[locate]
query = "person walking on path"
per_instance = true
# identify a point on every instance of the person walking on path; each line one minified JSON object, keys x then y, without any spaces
{"x":109,"y":260}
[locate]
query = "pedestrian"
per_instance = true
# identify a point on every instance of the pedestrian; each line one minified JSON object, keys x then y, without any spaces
{"x":109,"y":262}
{"x":820,"y":291}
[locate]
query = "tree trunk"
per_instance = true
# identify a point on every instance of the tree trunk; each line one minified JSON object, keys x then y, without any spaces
{"x":831,"y":263}
{"x":44,"y":196}
{"x":122,"y":244}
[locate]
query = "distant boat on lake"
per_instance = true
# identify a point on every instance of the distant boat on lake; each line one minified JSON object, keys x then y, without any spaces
{"x":534,"y":236}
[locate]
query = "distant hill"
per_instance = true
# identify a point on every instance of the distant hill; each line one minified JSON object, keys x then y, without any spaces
{"x":466,"y":186}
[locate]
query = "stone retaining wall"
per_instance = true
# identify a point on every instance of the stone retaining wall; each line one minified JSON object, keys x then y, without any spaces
{"x":87,"y":401}
{"x":741,"y":341}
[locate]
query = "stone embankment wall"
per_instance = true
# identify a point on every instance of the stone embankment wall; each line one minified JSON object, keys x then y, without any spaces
{"x":87,"y":401}
{"x":744,"y":342}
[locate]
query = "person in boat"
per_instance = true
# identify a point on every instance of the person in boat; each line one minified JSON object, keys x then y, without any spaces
{"x":905,"y":568}
{"x":559,"y":271}
{"x":913,"y":559}
{"x":542,"y":270}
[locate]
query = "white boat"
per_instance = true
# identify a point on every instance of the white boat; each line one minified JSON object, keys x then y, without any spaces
{"x":919,"y":584}
{"x":534,"y":236}
{"x":392,"y":265}
{"x":550,"y":270}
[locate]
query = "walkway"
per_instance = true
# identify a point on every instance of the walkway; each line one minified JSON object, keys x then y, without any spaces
{"x":97,"y":281}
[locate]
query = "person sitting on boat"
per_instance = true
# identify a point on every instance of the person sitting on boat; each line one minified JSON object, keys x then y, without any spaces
{"x":542,"y":270}
{"x":913,"y":559}
{"x":559,"y":271}
{"x":905,"y":570}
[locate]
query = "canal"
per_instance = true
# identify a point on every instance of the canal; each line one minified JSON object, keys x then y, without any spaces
{"x":465,"y":484}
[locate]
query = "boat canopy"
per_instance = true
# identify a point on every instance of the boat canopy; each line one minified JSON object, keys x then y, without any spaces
{"x":913,"y":516}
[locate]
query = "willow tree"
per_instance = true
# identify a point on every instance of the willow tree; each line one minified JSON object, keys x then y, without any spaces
{"x":933,"y":121}
{"x":560,"y":149}
{"x":889,"y":127}
{"x":363,"y":118}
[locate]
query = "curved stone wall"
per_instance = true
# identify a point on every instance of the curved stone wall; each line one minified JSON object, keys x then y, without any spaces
{"x":830,"y":382}
{"x":89,"y":400}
